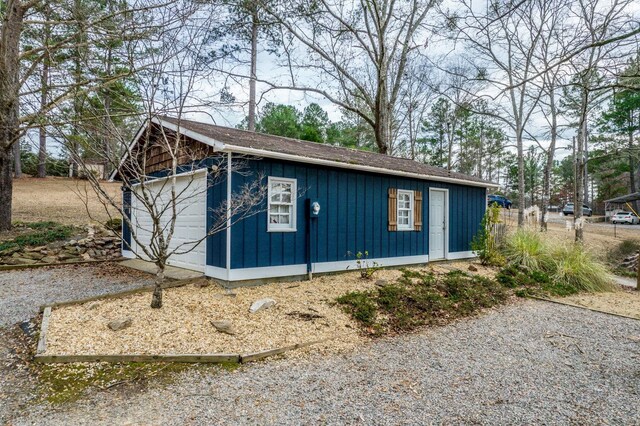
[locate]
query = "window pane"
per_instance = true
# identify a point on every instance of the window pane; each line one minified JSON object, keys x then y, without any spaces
{"x":286,"y":188}
{"x":274,"y":218}
{"x":284,"y":219}
{"x":285,"y":198}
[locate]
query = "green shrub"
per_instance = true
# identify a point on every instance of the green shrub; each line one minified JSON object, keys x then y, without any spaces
{"x":114,"y":224}
{"x":360,"y":306}
{"x":42,"y":233}
{"x":484,"y":244}
{"x":526,"y":249}
{"x":419,"y":298}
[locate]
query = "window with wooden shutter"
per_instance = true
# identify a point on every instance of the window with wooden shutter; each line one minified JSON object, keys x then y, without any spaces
{"x":392,"y":209}
{"x":417,"y":211}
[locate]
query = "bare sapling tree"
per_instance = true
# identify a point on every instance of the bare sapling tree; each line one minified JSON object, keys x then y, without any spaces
{"x":355,"y":54}
{"x":164,"y":173}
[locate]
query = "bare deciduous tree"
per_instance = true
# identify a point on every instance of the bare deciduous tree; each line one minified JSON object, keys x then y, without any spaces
{"x":355,"y":54}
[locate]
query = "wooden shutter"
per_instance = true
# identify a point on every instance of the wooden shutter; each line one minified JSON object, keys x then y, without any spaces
{"x":417,"y":210}
{"x":393,"y":209}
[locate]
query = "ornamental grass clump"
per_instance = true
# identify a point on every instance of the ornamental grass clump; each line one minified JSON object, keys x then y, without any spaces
{"x":575,"y":267}
{"x":538,"y":266}
{"x":528,"y":250}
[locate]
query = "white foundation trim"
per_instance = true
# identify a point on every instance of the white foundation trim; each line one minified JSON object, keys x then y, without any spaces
{"x":352,"y":265}
{"x":216,"y":272}
{"x":460,"y":255}
{"x":128,"y":254}
{"x":301,"y":269}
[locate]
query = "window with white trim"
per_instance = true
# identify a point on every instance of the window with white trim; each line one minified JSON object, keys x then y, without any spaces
{"x":282,"y":205}
{"x":405,"y":210}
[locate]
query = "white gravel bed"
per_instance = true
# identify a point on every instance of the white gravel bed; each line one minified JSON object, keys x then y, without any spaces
{"x":22,"y":292}
{"x":528,"y":363}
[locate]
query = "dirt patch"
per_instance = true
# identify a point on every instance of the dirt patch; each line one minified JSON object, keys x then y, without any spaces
{"x":624,"y":302}
{"x":64,"y":200}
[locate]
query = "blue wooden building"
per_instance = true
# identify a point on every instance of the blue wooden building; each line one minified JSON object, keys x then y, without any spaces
{"x":323,"y":205}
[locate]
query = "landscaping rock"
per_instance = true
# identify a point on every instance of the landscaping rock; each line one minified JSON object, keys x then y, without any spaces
{"x":32,"y":256}
{"x":473,"y":268}
{"x":261,"y":304}
{"x":24,"y":261}
{"x":201,"y":283}
{"x":9,"y":251}
{"x":224,"y":326}
{"x":120,"y":324}
{"x":381,"y":283}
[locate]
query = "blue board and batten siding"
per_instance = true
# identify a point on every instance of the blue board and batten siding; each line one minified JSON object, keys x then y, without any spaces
{"x":354,"y":217}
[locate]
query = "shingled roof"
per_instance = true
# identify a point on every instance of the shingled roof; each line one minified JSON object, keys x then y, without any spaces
{"x":236,"y":140}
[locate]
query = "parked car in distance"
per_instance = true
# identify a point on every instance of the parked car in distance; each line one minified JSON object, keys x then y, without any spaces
{"x":499,"y":200}
{"x":568,"y":209}
{"x":625,"y":217}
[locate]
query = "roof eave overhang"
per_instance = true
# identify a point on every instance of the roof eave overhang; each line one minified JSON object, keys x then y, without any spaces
{"x":222,"y":147}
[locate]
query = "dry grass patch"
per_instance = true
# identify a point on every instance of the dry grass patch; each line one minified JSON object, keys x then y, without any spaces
{"x":59,"y":199}
{"x":624,"y":302}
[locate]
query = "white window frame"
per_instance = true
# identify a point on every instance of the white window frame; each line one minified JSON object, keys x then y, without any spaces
{"x":279,"y":227}
{"x":410,"y":226}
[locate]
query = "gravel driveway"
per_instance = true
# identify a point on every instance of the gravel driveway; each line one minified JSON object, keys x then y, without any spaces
{"x":22,"y":292}
{"x":532,"y":363}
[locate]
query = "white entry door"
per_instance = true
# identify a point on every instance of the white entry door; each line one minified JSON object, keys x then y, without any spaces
{"x":190,"y":224}
{"x":437,"y":224}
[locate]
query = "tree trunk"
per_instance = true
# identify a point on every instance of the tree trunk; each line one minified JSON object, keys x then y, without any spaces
{"x":548,"y":168}
{"x":632,"y":170}
{"x":10,"y":32}
{"x":156,"y":300}
{"x":253,"y":71}
{"x":17,"y":161}
{"x":44,"y":95}
{"x":578,"y":192}
{"x":521,"y":186}
{"x":6,"y":189}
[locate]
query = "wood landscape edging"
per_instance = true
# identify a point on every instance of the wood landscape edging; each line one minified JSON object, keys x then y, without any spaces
{"x":559,"y":302}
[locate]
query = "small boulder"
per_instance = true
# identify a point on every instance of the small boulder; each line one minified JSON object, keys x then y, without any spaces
{"x":381,"y":283}
{"x":224,"y":326}
{"x":473,"y":268}
{"x":201,"y":283}
{"x":261,"y":304}
{"x":120,"y":324}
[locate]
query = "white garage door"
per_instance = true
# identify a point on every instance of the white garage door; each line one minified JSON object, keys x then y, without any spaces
{"x":190,"y":224}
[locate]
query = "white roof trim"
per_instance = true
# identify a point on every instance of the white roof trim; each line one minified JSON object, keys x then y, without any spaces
{"x":220,"y":146}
